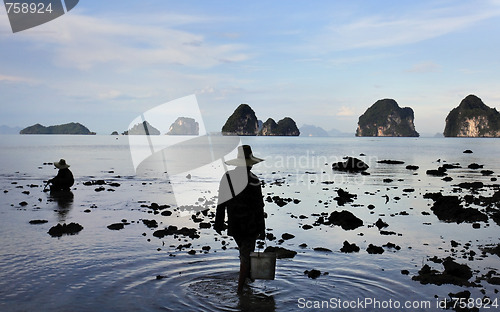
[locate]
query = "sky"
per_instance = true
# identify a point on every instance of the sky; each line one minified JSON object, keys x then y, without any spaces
{"x":321,"y":63}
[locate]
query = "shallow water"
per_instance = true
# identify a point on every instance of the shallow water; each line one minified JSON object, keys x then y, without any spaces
{"x":104,"y":270}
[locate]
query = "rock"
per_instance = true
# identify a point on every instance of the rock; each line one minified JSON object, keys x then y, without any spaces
{"x":386,"y":118}
{"x":381,"y":224}
{"x":313,"y":273}
{"x":322,"y":249}
{"x":60,"y":229}
{"x":150,"y":223}
{"x":116,"y":226}
{"x":287,"y":236}
{"x":184,"y":126}
{"x":449,"y":209}
{"x":284,"y":127}
{"x":372,"y":249}
{"x":344,"y":197}
{"x":242,"y":122}
{"x":468,"y":151}
{"x":350,"y":165}
{"x":349,"y":247}
{"x":391,"y":162}
{"x":281,"y":253}
{"x":143,"y":128}
{"x":440,"y":172}
{"x":475,"y":166}
{"x":472,"y":118}
{"x":412,"y":167}
{"x":38,"y":221}
{"x":345,"y":219}
{"x":173,"y":230}
{"x":69,"y":128}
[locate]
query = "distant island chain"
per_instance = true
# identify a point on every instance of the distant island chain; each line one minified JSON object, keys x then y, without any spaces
{"x":385,"y":118}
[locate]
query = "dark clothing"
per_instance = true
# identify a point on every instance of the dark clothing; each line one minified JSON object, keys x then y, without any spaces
{"x":245,"y":209}
{"x":62,"y":181}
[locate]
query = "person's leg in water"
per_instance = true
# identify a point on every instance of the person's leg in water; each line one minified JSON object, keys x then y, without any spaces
{"x":246,"y":246}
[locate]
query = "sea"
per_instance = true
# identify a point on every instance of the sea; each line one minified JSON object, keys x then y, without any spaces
{"x":119,"y":181}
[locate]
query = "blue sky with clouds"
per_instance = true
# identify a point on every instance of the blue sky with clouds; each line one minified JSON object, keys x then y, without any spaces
{"x":320,"y":62}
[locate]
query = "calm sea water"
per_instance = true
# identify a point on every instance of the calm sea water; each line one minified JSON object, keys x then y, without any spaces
{"x":106,"y":270}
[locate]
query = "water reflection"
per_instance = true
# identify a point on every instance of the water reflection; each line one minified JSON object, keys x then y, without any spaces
{"x":64,"y":200}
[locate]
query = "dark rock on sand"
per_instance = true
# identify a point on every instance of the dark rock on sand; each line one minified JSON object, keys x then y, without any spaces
{"x":381,"y":224}
{"x":345,"y":219}
{"x":475,"y":166}
{"x":344,"y":197}
{"x":313,"y":273}
{"x":38,"y":221}
{"x":322,"y":249}
{"x":287,"y":236}
{"x":440,"y":172}
{"x":173,"y":230}
{"x":372,"y":249}
{"x":60,"y":229}
{"x":468,"y":151}
{"x":150,"y":223}
{"x":281,"y":253}
{"x":412,"y":167}
{"x":116,"y":226}
{"x":349,"y":247}
{"x":449,"y":209}
{"x":454,"y":273}
{"x":351,"y":165}
{"x":391,"y":162}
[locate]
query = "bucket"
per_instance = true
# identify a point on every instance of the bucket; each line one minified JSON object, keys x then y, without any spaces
{"x":262,"y":265}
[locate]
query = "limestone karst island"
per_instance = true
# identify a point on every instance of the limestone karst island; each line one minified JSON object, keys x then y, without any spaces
{"x":472,"y":118}
{"x":69,"y":128}
{"x":386,"y":118}
{"x":244,"y":122}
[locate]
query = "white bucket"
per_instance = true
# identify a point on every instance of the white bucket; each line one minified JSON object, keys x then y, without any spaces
{"x":262,"y":265}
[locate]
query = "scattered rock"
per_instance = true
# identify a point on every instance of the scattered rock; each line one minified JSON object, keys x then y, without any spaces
{"x":116,"y":226}
{"x":38,"y":221}
{"x":372,"y":249}
{"x":351,"y":165}
{"x":391,"y":162}
{"x":345,"y":219}
{"x":287,"y":236}
{"x":281,"y":253}
{"x":313,"y":273}
{"x":60,"y":229}
{"x":349,"y":247}
{"x":322,"y":249}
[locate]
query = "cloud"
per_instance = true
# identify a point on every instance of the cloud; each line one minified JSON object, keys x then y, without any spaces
{"x":7,"y":78}
{"x":378,"y":31}
{"x":345,"y":111}
{"x":85,"y":42}
{"x":424,"y":67}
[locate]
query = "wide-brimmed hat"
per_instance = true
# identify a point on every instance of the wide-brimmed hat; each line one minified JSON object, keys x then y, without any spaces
{"x":245,"y":157}
{"x":61,"y":164}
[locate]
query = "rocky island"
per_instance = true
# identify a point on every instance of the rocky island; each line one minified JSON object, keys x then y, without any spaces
{"x":472,"y":118}
{"x":386,"y":118}
{"x":69,"y":128}
{"x":244,"y":122}
{"x":184,"y":126}
{"x":284,"y":127}
{"x":143,"y":128}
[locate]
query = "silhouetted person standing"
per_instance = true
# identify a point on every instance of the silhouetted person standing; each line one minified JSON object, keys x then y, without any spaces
{"x":64,"y":178}
{"x":240,"y":194}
